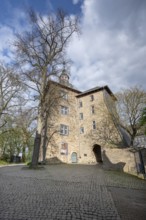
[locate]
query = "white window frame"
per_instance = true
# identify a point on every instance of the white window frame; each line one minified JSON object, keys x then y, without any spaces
{"x":64,"y":129}
{"x":64,"y":95}
{"x":81,"y":116}
{"x":93,"y":125}
{"x":81,"y":130}
{"x":64,"y":110}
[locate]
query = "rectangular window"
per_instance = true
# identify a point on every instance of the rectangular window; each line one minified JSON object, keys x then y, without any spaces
{"x":92,"y":109}
{"x":64,"y":129}
{"x":91,"y":97}
{"x":64,"y":149}
{"x":64,"y":110}
{"x":80,"y":104}
{"x":94,"y":125}
{"x":81,"y":130}
{"x":81,"y":116}
{"x":64,"y":94}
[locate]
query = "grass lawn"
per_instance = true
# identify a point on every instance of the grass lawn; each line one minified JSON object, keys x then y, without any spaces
{"x":2,"y":162}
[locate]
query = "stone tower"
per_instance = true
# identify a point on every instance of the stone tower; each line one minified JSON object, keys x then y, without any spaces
{"x":64,"y":78}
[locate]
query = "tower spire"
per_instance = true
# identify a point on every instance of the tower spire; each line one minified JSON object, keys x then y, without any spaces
{"x":64,"y":77}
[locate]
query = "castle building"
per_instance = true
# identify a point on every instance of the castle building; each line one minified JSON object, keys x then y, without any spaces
{"x":84,"y":122}
{"x":84,"y":129}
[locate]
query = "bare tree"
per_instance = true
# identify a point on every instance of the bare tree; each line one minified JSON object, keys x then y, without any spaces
{"x":51,"y":110}
{"x":10,"y":88}
{"x":25,"y":123}
{"x":43,"y":50}
{"x":143,"y":117}
{"x":130,"y":105}
{"x":105,"y":131}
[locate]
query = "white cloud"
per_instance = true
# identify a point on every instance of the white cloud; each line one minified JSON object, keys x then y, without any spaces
{"x":75,"y":1}
{"x":15,"y":23}
{"x":6,"y":38}
{"x":112,"y":47}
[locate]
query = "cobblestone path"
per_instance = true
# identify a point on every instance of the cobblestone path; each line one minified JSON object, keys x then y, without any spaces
{"x":70,"y":192}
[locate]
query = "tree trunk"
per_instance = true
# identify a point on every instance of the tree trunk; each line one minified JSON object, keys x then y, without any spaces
{"x":44,"y":142}
{"x":132,"y":141}
{"x":133,"y":136}
{"x":37,"y":143}
{"x":23,"y":154}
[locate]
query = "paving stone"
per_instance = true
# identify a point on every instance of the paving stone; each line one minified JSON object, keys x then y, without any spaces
{"x":63,"y":192}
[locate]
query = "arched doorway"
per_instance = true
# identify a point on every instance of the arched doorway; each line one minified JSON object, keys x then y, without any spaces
{"x":74,"y":157}
{"x":97,"y":153}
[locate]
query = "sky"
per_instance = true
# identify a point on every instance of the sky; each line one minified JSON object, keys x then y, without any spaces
{"x":111,"y":49}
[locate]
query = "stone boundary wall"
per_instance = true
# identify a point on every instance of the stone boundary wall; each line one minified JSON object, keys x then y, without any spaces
{"x":119,"y":159}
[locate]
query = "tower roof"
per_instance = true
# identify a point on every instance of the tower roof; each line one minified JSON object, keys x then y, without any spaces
{"x":96,"y":89}
{"x":64,"y":77}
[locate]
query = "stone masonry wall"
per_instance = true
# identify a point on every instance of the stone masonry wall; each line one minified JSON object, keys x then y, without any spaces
{"x":82,"y":143}
{"x":119,"y":159}
{"x":71,"y":120}
{"x":90,"y":137}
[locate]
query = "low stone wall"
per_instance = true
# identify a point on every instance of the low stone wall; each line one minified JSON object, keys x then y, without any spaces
{"x":143,"y":152}
{"x":119,"y":159}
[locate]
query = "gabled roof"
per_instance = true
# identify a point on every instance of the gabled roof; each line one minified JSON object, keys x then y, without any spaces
{"x":87,"y":92}
{"x":96,"y":89}
{"x":66,"y":87}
